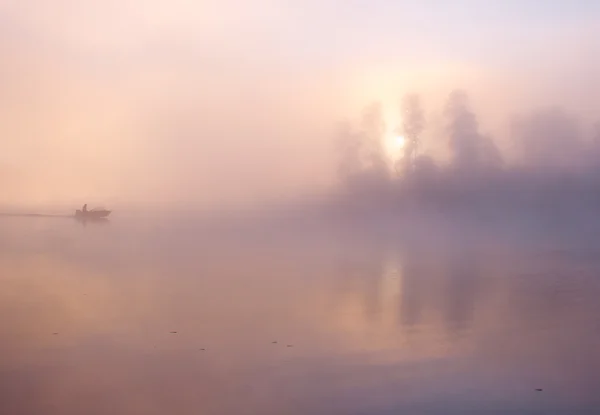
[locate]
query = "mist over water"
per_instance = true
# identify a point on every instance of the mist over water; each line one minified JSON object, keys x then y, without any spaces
{"x":146,"y":106}
{"x":371,"y":209}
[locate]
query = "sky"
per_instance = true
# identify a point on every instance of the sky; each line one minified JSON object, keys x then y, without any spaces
{"x":233,"y":103}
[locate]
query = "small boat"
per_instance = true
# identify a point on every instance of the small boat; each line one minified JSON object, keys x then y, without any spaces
{"x":92,"y":214}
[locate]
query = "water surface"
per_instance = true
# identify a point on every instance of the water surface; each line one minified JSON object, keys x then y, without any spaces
{"x":157,"y":317}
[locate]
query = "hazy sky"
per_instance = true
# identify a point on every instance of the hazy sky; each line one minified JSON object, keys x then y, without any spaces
{"x":231,"y":101}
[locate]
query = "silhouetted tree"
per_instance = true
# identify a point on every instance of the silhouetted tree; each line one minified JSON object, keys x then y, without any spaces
{"x":595,"y":144}
{"x":471,"y":151}
{"x":548,"y":138}
{"x":413,"y":123}
{"x":373,"y":128}
{"x":349,"y":145}
{"x":596,"y":133}
{"x":363,"y":163}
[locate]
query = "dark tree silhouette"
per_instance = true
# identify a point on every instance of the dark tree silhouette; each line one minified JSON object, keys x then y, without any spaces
{"x":349,"y":145}
{"x":413,"y":124}
{"x":373,"y":129}
{"x":471,"y":151}
{"x":548,"y":139}
{"x":363,"y":165}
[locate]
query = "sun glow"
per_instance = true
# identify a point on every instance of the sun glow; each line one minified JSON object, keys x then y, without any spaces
{"x":399,"y":141}
{"x":393,"y":140}
{"x":394,"y":144}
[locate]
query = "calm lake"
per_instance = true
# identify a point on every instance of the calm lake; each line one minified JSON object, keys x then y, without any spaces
{"x":169,"y":317}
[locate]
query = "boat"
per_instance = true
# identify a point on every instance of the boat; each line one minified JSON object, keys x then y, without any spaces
{"x":92,"y":214}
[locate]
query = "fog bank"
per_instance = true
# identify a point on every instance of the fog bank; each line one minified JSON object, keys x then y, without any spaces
{"x":197,"y":105}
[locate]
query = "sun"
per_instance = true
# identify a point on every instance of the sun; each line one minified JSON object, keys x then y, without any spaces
{"x":399,"y":141}
{"x":394,"y":145}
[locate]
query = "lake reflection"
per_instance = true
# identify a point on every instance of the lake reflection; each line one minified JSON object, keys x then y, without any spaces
{"x":149,"y":319}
